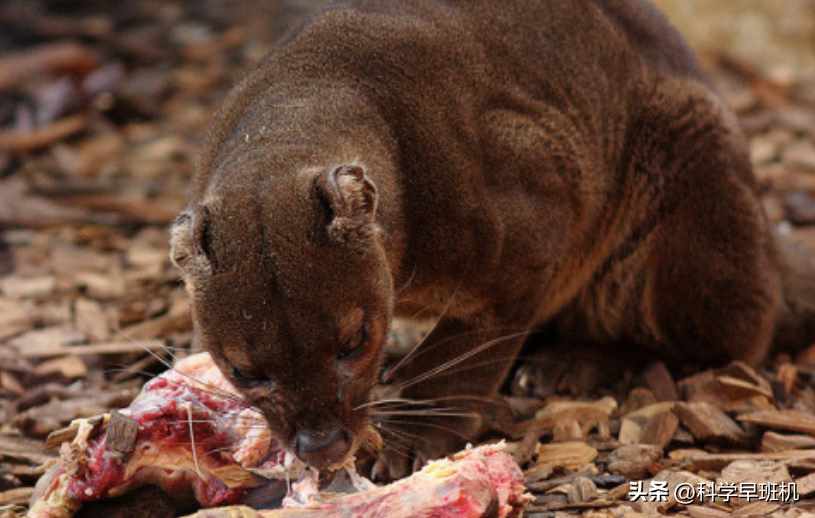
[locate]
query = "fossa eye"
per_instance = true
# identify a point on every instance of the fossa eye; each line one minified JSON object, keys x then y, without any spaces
{"x":354,"y":346}
{"x":245,"y":378}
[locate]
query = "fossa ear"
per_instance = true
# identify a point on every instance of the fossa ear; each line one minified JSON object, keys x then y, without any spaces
{"x":190,"y":242}
{"x":351,"y":199}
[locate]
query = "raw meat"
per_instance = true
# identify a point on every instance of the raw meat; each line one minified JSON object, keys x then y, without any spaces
{"x":188,"y":432}
{"x":477,"y":482}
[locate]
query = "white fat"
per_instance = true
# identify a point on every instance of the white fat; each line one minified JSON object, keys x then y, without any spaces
{"x":305,"y":490}
{"x":255,"y":439}
{"x":359,"y":482}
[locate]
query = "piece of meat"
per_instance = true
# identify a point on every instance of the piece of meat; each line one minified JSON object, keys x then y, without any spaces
{"x":483,"y":481}
{"x":189,"y":433}
{"x":192,"y":434}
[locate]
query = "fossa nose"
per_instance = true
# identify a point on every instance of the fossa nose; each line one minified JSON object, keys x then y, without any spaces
{"x":321,"y":448}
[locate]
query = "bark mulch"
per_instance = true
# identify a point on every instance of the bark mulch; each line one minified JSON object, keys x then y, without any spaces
{"x":102,"y":107}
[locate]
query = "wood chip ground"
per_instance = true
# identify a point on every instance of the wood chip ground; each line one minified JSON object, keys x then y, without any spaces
{"x":101,"y":113}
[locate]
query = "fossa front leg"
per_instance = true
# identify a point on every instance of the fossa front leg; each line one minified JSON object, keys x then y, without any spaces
{"x":447,"y":381}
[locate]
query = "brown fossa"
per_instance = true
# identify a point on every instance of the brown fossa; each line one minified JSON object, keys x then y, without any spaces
{"x":502,"y":165}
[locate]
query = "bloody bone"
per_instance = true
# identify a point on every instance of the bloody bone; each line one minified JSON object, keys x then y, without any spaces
{"x":188,"y":432}
{"x":482,"y":481}
{"x":194,"y":434}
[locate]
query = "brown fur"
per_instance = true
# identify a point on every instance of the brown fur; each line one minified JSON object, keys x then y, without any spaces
{"x":505,"y":164}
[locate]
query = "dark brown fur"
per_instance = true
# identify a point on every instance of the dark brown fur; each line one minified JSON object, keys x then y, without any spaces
{"x":505,"y":164}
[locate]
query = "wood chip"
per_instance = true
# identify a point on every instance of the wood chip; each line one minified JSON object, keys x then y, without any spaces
{"x":569,"y":455}
{"x":782,"y":420}
{"x":739,"y":389}
{"x":752,"y":471}
{"x":30,"y":450}
{"x":51,"y":57}
{"x":41,"y":420}
{"x":647,"y":412}
{"x":580,"y":490}
{"x":102,"y":286}
{"x":15,"y":317}
{"x":634,"y":461}
{"x":698,"y":511}
{"x":8,"y":381}
{"x":637,"y":398}
{"x":735,"y":388}
{"x":28,"y":287}
{"x":741,"y":370}
{"x":633,"y":424}
{"x":806,"y":484}
{"x":53,"y":338}
{"x":26,"y":141}
{"x":70,"y":367}
{"x":136,"y":346}
{"x":801,"y":154}
{"x":19,"y":495}
{"x":660,"y":381}
{"x":91,"y":319}
{"x":179,"y":319}
{"x":590,"y":415}
{"x":121,"y":433}
{"x":21,"y":208}
{"x":754,"y":509}
{"x":660,"y":429}
{"x":631,"y":431}
{"x":568,"y":430}
{"x":25,"y":471}
{"x":772,"y":441}
{"x":709,"y":424}
{"x":701,"y":460}
{"x":701,"y":386}
{"x":787,"y":376}
{"x":130,"y":209}
{"x":674,"y":478}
